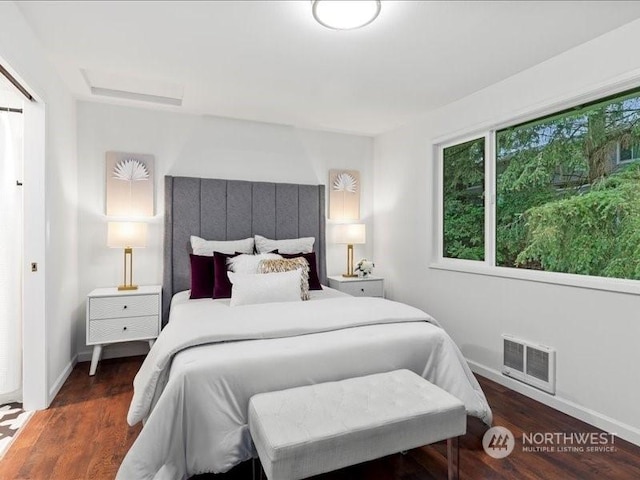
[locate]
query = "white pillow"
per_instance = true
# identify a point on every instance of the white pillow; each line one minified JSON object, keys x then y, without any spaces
{"x":250,"y":289}
{"x":200,"y":246}
{"x":289,"y":245}
{"x":249,"y":263}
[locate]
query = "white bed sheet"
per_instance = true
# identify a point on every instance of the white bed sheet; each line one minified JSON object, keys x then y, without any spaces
{"x":197,"y":420}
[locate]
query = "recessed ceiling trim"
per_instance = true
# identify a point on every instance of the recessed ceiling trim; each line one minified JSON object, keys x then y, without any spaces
{"x":143,"y":97}
{"x":117,"y":85}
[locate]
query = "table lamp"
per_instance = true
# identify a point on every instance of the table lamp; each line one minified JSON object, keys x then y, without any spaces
{"x":127,"y":235}
{"x":351,"y":234}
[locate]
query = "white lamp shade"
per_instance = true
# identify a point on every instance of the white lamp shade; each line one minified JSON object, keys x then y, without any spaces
{"x":350,"y":233}
{"x":126,"y":234}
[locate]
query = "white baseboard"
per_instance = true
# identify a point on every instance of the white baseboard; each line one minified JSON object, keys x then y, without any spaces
{"x":608,"y":424}
{"x":57,"y":385}
{"x":109,"y":351}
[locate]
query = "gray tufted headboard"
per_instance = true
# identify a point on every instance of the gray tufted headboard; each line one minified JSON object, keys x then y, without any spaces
{"x":231,"y":210}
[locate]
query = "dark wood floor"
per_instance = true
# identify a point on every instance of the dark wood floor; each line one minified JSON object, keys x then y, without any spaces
{"x":84,"y":435}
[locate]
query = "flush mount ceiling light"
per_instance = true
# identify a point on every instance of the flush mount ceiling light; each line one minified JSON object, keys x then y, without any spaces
{"x":345,"y":14}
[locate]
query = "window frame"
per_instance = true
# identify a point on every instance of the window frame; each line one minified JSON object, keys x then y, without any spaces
{"x":488,"y":267}
{"x":439,"y":243}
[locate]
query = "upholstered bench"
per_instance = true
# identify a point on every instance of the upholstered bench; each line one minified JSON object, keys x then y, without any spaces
{"x":305,"y":431}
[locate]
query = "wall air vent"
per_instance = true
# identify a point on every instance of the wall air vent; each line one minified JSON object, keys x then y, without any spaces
{"x":530,"y":363}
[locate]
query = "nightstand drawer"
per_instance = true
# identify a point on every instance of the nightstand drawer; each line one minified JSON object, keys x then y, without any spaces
{"x":369,"y":288}
{"x":123,"y":329}
{"x":123,"y":306}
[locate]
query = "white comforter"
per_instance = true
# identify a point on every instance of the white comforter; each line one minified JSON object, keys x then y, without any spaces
{"x":194,"y":386}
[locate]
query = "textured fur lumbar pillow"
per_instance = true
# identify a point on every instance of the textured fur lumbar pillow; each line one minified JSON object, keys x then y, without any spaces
{"x":286,"y":265}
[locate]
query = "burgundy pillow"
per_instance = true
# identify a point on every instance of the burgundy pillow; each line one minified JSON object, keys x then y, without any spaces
{"x":201,"y":276}
{"x":221,"y":282}
{"x":314,"y":281}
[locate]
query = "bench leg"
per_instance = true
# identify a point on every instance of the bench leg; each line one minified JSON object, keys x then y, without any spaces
{"x":453,"y":458}
{"x":256,"y":467}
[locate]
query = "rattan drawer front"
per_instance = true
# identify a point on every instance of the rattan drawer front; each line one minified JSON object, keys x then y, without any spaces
{"x":123,"y":306}
{"x":123,"y":329}
{"x":368,"y":288}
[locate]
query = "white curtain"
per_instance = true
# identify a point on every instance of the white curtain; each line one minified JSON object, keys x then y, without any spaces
{"x":10,"y":253}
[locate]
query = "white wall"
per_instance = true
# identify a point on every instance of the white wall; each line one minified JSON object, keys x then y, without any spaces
{"x":595,"y":332}
{"x":51,"y":219}
{"x":203,"y":146}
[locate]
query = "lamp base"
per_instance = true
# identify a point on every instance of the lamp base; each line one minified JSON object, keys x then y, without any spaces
{"x":346,"y":275}
{"x":128,"y":282}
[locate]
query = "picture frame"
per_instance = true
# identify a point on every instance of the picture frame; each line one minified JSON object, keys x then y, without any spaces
{"x":129,"y":184}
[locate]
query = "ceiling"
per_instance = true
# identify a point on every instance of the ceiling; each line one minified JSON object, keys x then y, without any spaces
{"x":270,"y":61}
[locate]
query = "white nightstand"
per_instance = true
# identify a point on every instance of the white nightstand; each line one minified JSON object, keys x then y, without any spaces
{"x":358,"y":286}
{"x":122,"y":316}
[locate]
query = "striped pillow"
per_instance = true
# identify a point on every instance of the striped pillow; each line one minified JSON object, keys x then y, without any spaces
{"x":286,"y":265}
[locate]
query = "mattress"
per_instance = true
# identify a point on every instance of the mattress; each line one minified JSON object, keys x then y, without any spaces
{"x":194,"y":387}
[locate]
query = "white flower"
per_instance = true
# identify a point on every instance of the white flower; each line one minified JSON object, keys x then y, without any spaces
{"x":345,"y":182}
{"x":130,"y":170}
{"x":365,"y":266}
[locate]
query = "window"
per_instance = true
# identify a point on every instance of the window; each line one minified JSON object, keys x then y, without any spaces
{"x":567,"y":193}
{"x":628,"y":154}
{"x":463,"y":200}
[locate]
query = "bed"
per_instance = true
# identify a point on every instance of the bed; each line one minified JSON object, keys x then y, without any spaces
{"x":193,"y":389}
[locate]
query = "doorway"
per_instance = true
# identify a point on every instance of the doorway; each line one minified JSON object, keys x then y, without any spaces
{"x":35,"y":386}
{"x":11,"y":242}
